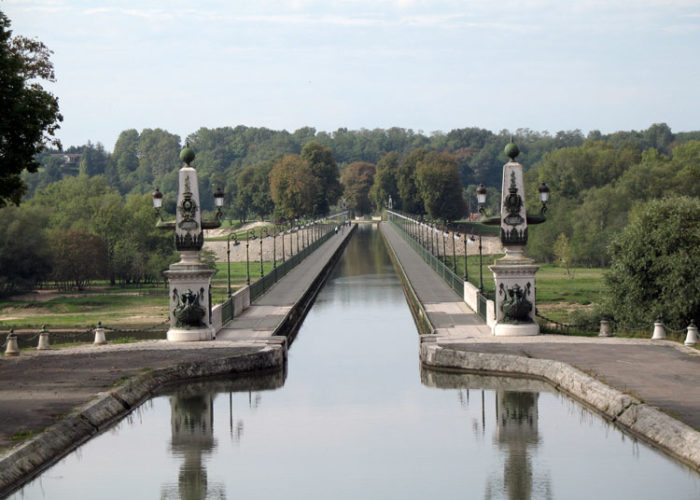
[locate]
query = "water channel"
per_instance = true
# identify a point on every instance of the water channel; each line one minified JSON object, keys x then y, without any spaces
{"x":356,"y":417}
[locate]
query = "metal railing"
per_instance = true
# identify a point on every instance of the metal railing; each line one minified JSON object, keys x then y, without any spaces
{"x":401,"y":221}
{"x":455,"y":282}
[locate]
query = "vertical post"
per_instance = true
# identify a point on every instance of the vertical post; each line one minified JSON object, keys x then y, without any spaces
{"x":261,"y":251}
{"x":454,"y":253}
{"x":274,"y":249}
{"x":444,"y":242}
{"x":481,"y":269}
{"x":284,"y":233}
{"x":466,"y":273}
{"x":228,"y":263}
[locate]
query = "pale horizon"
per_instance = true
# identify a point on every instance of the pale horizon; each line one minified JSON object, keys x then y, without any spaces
{"x":426,"y":66}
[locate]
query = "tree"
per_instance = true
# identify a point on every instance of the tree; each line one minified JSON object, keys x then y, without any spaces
{"x":24,"y":253}
{"x":562,"y":249}
{"x":656,"y":264}
{"x":293,"y":187}
{"x":437,"y":179}
{"x":411,"y":200}
{"x":253,"y":191}
{"x":321,"y":161}
{"x":385,"y":182}
{"x":358,"y":179}
{"x":78,"y":257}
{"x":94,"y":160}
{"x":30,"y":115}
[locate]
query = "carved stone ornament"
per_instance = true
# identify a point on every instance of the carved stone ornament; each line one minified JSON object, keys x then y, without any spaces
{"x":516,"y":308}
{"x":512,"y":204}
{"x":188,"y":312}
{"x":188,"y":209}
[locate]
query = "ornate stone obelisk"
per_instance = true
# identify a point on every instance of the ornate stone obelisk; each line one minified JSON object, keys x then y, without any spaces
{"x":514,"y":274}
{"x":190,"y":280}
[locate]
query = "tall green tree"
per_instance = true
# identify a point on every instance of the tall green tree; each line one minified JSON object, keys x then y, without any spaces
{"x":438,"y":182}
{"x":293,"y":187}
{"x":411,"y":200}
{"x":253,"y":191}
{"x":656,"y":264}
{"x":30,"y":115}
{"x":386,"y":182}
{"x":321,"y":161}
{"x":25,"y":257}
{"x":358,"y":179}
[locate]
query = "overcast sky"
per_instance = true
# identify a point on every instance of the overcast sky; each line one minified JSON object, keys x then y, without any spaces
{"x":430,"y":65}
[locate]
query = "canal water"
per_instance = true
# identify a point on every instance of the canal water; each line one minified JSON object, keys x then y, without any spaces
{"x":354,"y":416}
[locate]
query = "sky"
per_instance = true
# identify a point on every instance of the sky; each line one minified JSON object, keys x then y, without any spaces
{"x":426,"y":65}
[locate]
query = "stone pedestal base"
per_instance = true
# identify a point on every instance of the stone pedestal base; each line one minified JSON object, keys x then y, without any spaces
{"x":521,"y":330}
{"x":514,"y":276}
{"x":191,"y":335}
{"x":190,"y":285}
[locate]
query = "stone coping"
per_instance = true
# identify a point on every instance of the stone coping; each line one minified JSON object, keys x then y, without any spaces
{"x":647,"y":422}
{"x":24,"y":462}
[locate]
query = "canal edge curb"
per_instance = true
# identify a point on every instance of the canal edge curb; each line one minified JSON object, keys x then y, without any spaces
{"x":420,"y":316}
{"x":632,"y":415}
{"x":24,"y":462}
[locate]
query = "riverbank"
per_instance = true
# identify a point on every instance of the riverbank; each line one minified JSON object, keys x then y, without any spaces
{"x":651,"y":389}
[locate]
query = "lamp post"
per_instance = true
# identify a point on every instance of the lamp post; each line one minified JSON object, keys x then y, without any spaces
{"x":275,"y":233}
{"x":250,"y":233}
{"x":267,"y":235}
{"x":454,"y":252}
{"x":444,"y":243}
{"x":466,"y":272}
{"x":228,"y":257}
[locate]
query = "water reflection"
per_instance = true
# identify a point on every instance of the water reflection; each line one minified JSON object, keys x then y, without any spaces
{"x":516,"y":431}
{"x":192,"y":430}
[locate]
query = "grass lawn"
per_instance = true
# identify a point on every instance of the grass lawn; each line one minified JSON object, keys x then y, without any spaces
{"x":557,"y":294}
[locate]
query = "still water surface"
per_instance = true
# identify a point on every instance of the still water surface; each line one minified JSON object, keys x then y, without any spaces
{"x":354,"y":417}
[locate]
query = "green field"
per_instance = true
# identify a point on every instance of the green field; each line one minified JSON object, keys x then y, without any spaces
{"x":557,"y":294}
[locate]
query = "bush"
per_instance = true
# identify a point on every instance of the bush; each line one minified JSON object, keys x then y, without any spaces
{"x":655,"y":266}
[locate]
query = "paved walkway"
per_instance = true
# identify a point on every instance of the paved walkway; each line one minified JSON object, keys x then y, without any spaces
{"x":664,"y":374}
{"x":447,"y":312}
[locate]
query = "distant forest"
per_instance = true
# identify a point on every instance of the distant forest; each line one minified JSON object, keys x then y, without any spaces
{"x":86,"y":198}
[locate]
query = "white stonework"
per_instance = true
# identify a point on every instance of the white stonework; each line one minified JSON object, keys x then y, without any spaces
{"x":193,"y":277}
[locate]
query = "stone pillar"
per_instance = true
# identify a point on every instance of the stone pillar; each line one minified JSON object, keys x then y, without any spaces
{"x":189,"y":279}
{"x":514,"y":274}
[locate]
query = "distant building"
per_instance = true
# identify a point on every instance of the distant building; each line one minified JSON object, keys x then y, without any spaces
{"x":69,"y":159}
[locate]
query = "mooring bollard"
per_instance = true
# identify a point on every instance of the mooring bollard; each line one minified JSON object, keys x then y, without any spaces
{"x":100,"y":334}
{"x":12,"y":347}
{"x":692,"y":337}
{"x":605,"y":330}
{"x":43,"y":339}
{"x":659,"y":331}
